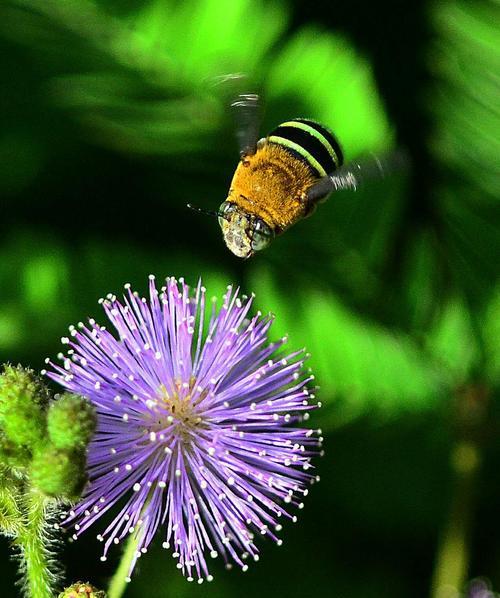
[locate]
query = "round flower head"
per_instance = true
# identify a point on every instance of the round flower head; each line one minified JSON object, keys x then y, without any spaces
{"x":196,"y":433}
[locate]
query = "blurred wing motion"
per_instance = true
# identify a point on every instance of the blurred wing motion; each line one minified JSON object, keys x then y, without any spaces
{"x":358,"y":172}
{"x":246,"y":108}
{"x":248,"y":116}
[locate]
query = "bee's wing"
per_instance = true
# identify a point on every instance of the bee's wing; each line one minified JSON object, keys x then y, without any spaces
{"x":245,"y":107}
{"x":248,"y":114}
{"x":358,"y":172}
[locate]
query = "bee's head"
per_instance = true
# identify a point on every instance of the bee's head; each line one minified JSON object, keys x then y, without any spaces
{"x":243,"y":233}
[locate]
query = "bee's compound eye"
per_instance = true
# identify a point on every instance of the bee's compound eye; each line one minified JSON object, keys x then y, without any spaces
{"x":262,"y":235}
{"x":224,"y":209}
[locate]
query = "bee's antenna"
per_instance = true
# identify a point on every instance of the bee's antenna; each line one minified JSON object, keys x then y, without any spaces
{"x":203,"y":211}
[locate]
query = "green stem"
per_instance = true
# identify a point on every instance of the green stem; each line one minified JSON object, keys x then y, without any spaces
{"x":33,"y":539}
{"x":452,"y":561}
{"x":120,"y":579}
{"x":10,"y":516}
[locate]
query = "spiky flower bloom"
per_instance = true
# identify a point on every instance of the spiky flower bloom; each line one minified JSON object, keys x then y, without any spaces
{"x":196,"y":430}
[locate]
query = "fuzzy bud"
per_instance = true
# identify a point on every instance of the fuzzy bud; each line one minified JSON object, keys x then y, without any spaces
{"x":59,"y":473}
{"x":82,"y":590}
{"x":19,"y":380}
{"x":14,"y":456}
{"x":71,"y":422}
{"x":23,"y":398}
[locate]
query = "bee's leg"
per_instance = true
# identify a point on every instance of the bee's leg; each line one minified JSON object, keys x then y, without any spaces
{"x":346,"y":177}
{"x":354,"y":174}
{"x":318,"y":192}
{"x":310,"y":209}
{"x":247,"y":111}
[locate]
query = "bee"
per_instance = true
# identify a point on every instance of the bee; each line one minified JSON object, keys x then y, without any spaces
{"x":280,"y":178}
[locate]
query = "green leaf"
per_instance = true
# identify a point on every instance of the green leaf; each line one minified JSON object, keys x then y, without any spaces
{"x":336,"y":85}
{"x":190,"y":34}
{"x":490,"y":321}
{"x":465,"y":141}
{"x":452,"y":341}
{"x":149,"y":83}
{"x":354,"y":359}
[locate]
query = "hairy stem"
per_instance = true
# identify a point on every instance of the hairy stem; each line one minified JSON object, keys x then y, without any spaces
{"x":10,"y":516}
{"x":39,"y":579}
{"x":120,"y":579}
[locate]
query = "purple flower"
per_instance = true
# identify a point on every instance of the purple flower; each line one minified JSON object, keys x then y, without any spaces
{"x":196,"y":430}
{"x":480,"y":588}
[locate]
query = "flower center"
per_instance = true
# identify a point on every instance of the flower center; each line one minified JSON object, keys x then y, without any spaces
{"x":180,"y":405}
{"x":180,"y":408}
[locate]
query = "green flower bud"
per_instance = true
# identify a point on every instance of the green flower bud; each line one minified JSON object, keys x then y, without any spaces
{"x":58,"y":472}
{"x":14,"y":456}
{"x":82,"y":590}
{"x":71,"y":422}
{"x":23,"y":398}
{"x":16,"y":381}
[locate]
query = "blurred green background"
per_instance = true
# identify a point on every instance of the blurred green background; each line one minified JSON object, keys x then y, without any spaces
{"x":112,"y":120}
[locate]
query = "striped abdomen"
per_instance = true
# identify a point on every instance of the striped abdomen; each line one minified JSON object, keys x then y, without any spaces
{"x":310,"y":142}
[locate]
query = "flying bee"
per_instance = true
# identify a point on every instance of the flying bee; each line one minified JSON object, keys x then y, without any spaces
{"x":281,"y":178}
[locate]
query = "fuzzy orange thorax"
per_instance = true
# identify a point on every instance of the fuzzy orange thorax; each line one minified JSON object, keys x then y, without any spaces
{"x":271,"y":184}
